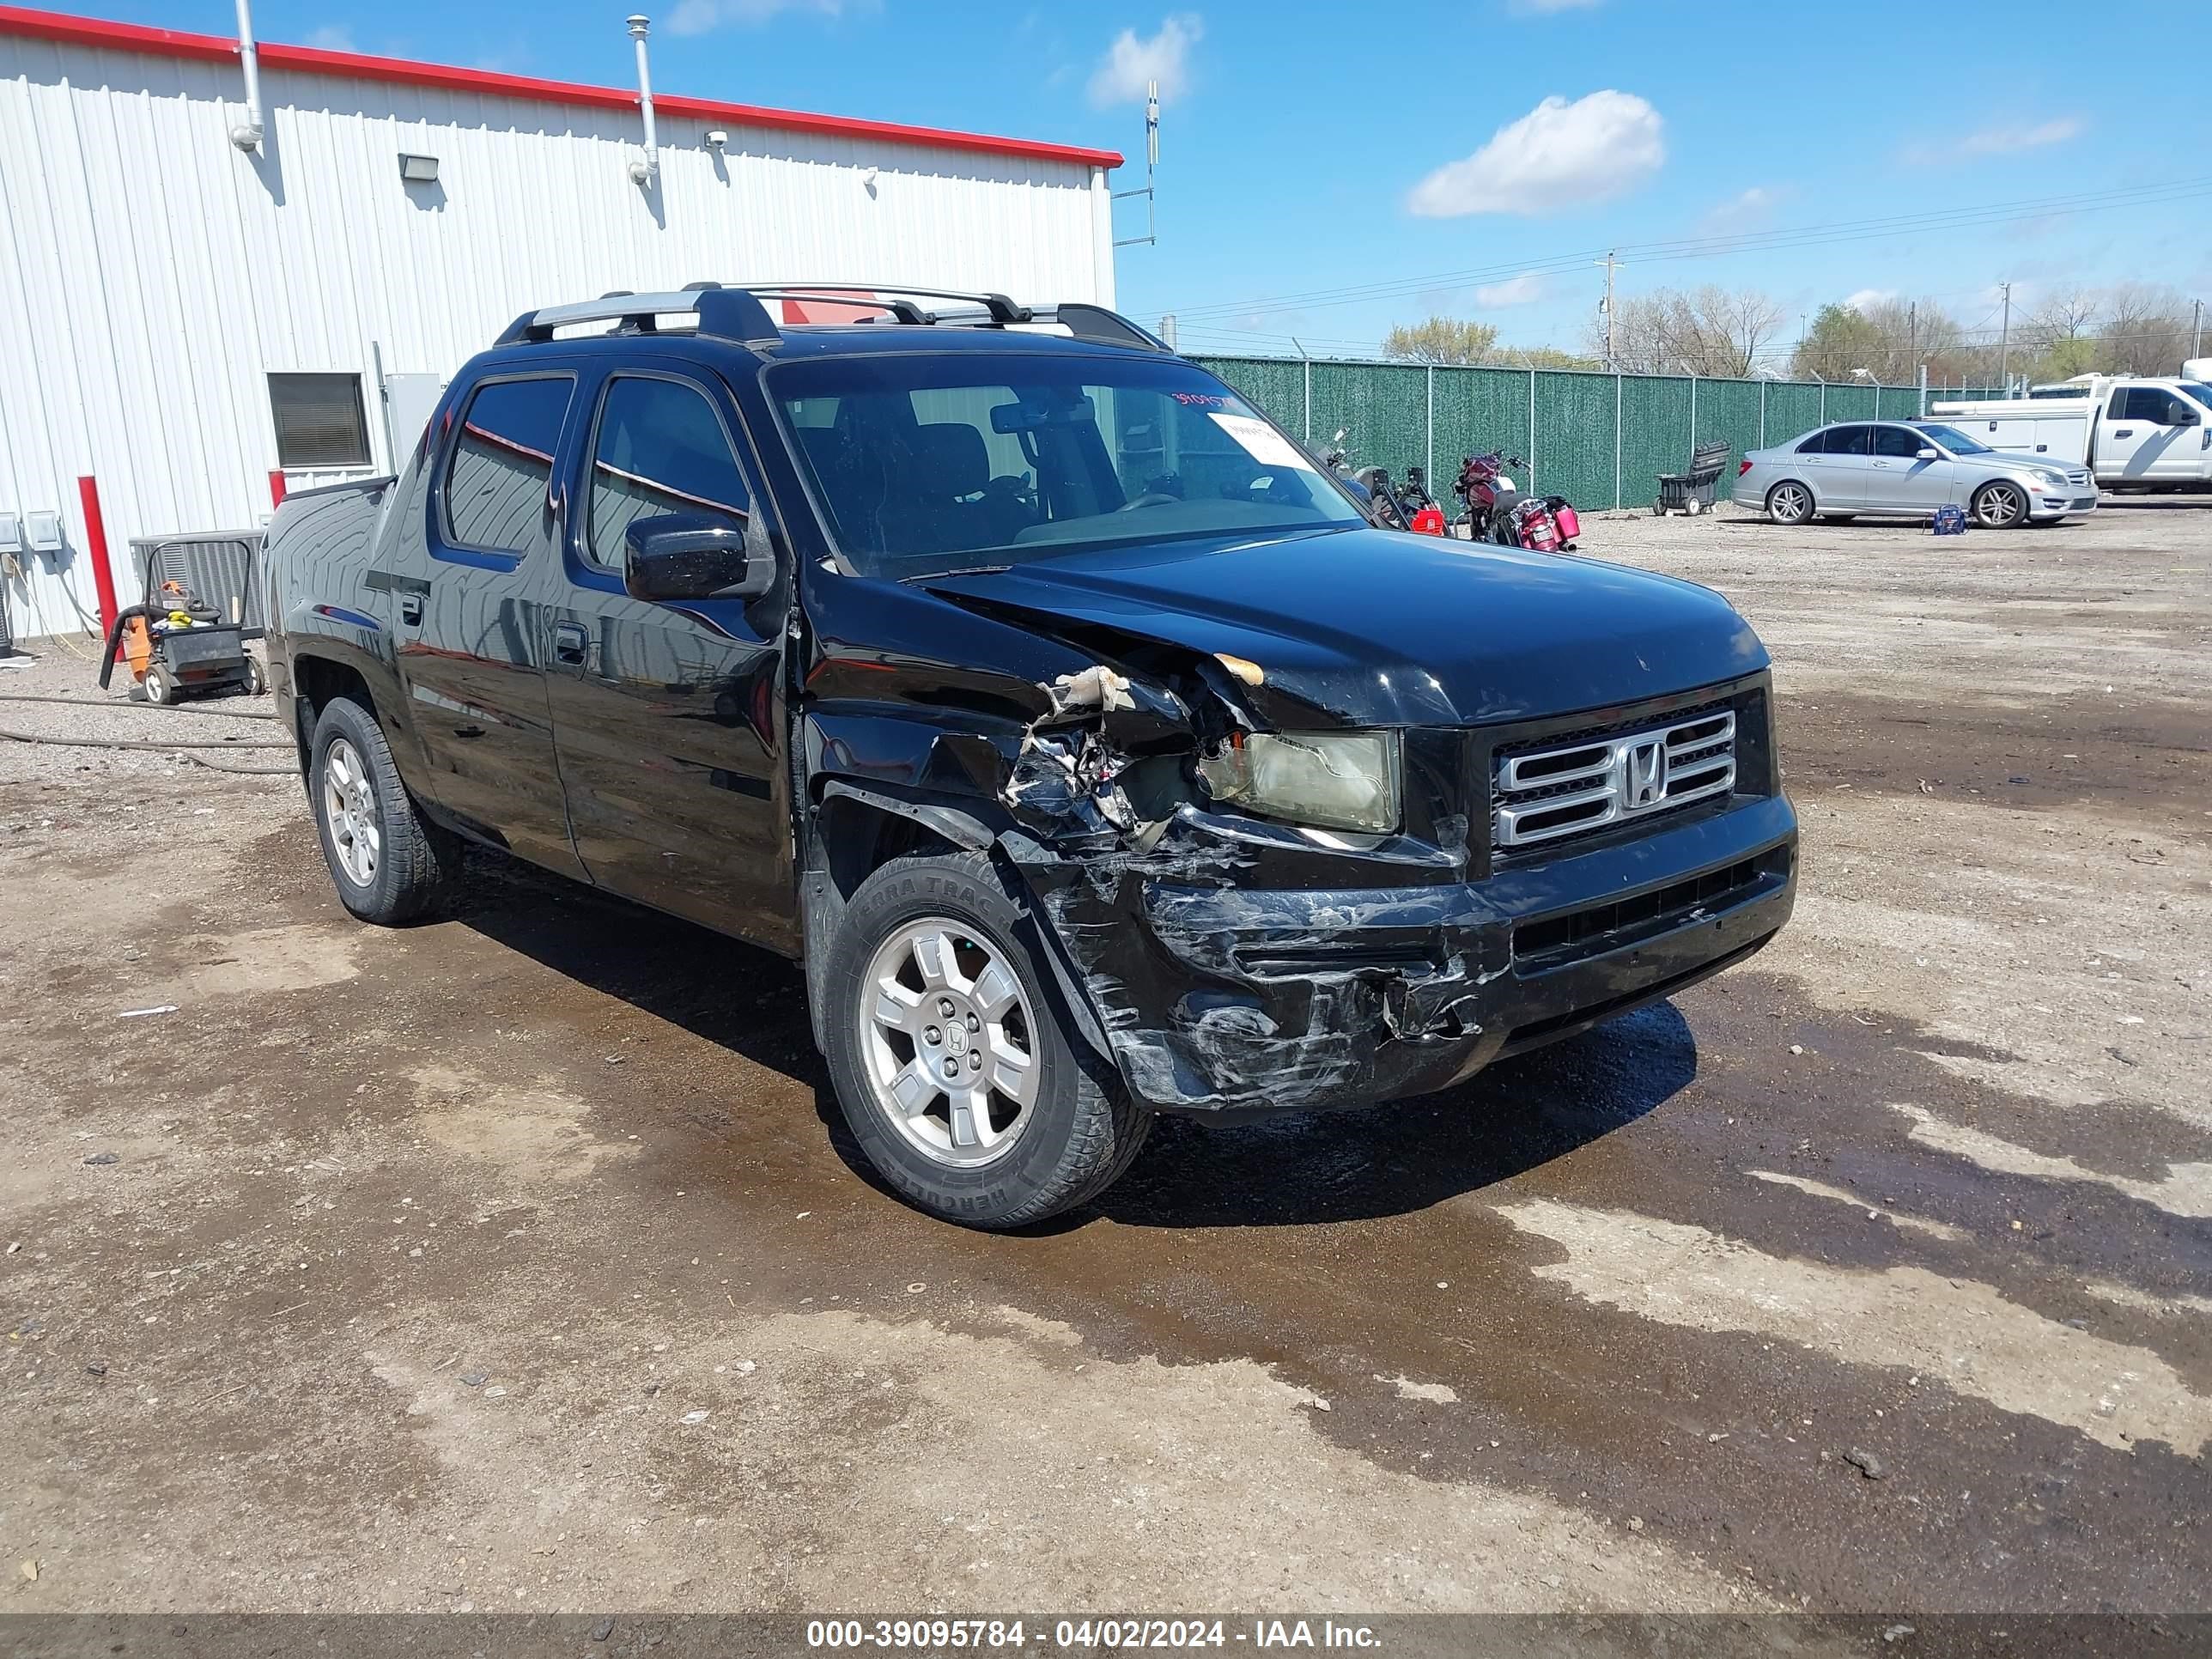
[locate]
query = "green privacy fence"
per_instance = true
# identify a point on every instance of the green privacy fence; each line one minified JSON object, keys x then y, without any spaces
{"x":1597,"y":439}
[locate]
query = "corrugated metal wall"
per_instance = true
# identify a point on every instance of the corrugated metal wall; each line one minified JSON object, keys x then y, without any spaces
{"x":1600,"y":439}
{"x":151,"y":275}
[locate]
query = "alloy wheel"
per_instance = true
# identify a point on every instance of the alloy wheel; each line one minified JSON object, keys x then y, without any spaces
{"x":349,"y":811}
{"x":1999,"y":505}
{"x":947,"y":1039}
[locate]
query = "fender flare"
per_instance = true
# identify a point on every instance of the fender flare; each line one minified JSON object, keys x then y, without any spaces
{"x":824,"y":905}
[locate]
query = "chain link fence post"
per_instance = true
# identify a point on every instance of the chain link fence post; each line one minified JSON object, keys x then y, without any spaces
{"x":1532,"y":429}
{"x":1431,"y":473}
{"x":1616,"y":440}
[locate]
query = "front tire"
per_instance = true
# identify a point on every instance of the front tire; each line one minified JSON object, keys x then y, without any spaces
{"x":2000,"y":506}
{"x":954,"y":1061}
{"x":388,"y":862}
{"x":1789,"y":502}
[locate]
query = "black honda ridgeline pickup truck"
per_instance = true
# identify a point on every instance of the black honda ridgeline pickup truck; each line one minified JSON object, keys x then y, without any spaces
{"x":1081,"y":737}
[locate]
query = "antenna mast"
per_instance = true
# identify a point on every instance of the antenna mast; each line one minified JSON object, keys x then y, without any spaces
{"x":1152,"y":166}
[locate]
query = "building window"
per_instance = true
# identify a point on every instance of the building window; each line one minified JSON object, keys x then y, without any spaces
{"x":319,"y":421}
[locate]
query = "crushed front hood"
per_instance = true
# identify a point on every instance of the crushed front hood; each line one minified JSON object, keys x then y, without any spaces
{"x":1377,"y":628}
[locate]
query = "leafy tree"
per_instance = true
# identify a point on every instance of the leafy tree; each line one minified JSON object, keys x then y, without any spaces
{"x":1441,"y":340}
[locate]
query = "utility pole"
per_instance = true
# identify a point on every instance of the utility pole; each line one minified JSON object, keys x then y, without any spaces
{"x":1611,"y":265}
{"x":2004,"y":342}
{"x":1912,"y":334}
{"x":2197,"y":330}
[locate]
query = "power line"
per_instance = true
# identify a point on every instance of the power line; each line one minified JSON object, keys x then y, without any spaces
{"x":1715,"y":246}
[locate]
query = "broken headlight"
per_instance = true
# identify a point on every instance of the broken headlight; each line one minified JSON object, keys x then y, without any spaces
{"x":1331,"y":781}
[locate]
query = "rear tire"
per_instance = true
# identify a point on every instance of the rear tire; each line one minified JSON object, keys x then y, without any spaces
{"x":926,"y":933}
{"x":160,"y":687}
{"x":389,"y":863}
{"x":1789,"y":502}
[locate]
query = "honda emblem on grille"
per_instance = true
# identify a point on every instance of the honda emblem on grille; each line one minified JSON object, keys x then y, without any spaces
{"x":1642,"y":778}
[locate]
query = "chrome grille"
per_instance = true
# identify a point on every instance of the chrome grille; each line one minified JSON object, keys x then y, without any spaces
{"x":1541,"y":794}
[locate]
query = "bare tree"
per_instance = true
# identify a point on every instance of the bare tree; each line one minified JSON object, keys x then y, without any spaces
{"x":1441,"y":340}
{"x":2146,"y":330}
{"x":1711,"y":332}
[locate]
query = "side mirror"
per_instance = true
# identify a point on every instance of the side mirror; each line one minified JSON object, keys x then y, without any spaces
{"x":2180,"y":413}
{"x":1927,"y":453}
{"x":681,"y":555}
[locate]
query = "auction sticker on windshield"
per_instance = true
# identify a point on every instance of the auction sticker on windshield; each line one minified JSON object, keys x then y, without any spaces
{"x":1262,"y":441}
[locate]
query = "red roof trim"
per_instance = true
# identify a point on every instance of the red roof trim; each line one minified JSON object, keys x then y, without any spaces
{"x":173,"y":43}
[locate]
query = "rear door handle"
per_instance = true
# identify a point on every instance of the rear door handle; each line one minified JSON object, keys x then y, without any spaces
{"x":410,"y":608}
{"x":571,"y":644}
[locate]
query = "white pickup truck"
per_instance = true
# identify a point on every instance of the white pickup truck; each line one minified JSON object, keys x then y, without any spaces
{"x":2129,"y":432}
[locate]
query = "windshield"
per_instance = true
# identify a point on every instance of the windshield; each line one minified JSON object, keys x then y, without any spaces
{"x":2199,"y":391}
{"x":1955,"y":440}
{"x":927,"y":463}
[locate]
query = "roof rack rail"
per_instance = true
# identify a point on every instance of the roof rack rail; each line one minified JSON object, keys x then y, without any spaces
{"x":730,"y":313}
{"x":1083,"y":319}
{"x":737,"y":311}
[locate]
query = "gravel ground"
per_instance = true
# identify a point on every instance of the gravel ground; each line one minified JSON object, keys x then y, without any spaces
{"x":64,"y":679}
{"x":512,"y":1260}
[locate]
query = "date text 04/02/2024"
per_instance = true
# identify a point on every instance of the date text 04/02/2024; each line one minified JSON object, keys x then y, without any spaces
{"x":1117,"y":1634}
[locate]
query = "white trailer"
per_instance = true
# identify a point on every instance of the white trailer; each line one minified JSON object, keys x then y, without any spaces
{"x":2129,"y":431}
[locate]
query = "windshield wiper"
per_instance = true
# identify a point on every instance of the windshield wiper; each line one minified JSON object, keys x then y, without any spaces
{"x":964,"y":570}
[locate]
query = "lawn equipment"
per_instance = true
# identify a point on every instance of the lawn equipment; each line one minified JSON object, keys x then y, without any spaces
{"x":178,"y":646}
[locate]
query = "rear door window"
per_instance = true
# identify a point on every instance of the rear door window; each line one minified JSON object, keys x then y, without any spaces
{"x":660,"y":450}
{"x":494,"y":493}
{"x":1848,"y":440}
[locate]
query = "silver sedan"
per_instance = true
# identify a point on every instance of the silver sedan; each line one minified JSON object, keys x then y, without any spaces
{"x":1907,"y":470}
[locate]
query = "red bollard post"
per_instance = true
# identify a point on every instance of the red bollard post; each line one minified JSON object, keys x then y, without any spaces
{"x":276,"y":487}
{"x":96,"y":535}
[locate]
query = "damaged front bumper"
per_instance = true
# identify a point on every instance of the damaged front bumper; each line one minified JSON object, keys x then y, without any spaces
{"x":1226,"y":999}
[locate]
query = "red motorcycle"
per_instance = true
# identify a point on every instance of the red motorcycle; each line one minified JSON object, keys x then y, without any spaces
{"x":1496,"y":511}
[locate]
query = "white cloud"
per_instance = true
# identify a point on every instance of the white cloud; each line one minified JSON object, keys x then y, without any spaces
{"x":1867,"y":297}
{"x":1998,"y":141}
{"x":1132,"y":61}
{"x":1522,"y":290}
{"x":1752,"y":207}
{"x":699,"y":16}
{"x":331,"y":37}
{"x":2003,"y":141}
{"x":1558,"y":154}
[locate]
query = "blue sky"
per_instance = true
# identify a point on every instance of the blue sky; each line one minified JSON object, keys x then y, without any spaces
{"x":1307,"y":150}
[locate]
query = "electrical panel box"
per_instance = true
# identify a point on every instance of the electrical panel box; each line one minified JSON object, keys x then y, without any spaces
{"x":11,"y":534}
{"x":45,"y":530}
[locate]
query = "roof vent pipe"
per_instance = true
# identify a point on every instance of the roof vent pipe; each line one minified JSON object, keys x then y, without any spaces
{"x":247,"y":135}
{"x":640,"y":171}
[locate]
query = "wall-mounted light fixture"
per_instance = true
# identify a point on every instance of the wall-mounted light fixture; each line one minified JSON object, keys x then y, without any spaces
{"x":418,"y":169}
{"x":717,"y":139}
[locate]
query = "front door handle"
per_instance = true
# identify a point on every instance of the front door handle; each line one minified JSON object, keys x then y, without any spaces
{"x":410,"y":608}
{"x":2124,"y":432}
{"x":571,"y":644}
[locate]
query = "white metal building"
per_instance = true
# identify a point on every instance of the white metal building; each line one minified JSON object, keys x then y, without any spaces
{"x":193,"y":323}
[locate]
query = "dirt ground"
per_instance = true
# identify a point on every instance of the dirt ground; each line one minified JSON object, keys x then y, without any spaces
{"x":511,"y":1260}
